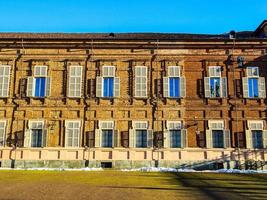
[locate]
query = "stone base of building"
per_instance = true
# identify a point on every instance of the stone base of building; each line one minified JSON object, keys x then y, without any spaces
{"x":122,"y":164}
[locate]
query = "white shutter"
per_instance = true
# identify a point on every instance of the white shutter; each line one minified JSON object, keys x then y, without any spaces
{"x":245,"y":87}
{"x":207,"y":86}
{"x":224,"y":86}
{"x":165,"y":86}
{"x":149,"y":138}
{"x":115,"y":138}
{"x":2,"y":133}
{"x":132,"y":139}
{"x":4,"y":80}
{"x":48,"y":86}
{"x":75,"y":81}
{"x":184,"y":141}
{"x":261,"y":86}
{"x":209,"y":138}
{"x":227,"y":141}
{"x":27,"y":137}
{"x":97,"y":138}
{"x":182,"y":86}
{"x":99,"y":82}
{"x":264,"y":138}
{"x":30,"y":86}
{"x":44,"y":138}
{"x":116,"y":87}
{"x":249,"y":139}
{"x":141,"y":81}
{"x":166,"y":138}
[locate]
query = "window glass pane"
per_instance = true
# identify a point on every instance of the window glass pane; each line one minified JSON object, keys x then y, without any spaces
{"x":253,"y":90}
{"x":36,"y":138}
{"x":174,"y":84}
{"x":141,"y":138}
{"x":108,"y":87}
{"x":217,"y":139}
{"x":40,"y":84}
{"x":215,"y":87}
{"x":175,"y":138}
{"x":107,"y":138}
{"x":257,"y":139}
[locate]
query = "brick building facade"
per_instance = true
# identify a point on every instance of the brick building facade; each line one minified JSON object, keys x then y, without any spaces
{"x":132,"y":99}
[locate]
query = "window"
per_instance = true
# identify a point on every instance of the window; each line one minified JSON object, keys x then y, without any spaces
{"x":215,"y":85}
{"x":107,"y":85}
{"x":35,"y":136}
{"x":4,"y":80}
{"x":174,"y":85}
{"x":216,"y":135}
{"x":141,"y":138}
{"x":107,"y":138}
{"x":256,"y":136}
{"x":257,"y":139}
{"x":140,"y":81}
{"x":217,"y":138}
{"x":2,"y":133}
{"x":175,"y":136}
{"x":39,"y":84}
{"x":75,"y":81}
{"x":253,"y":84}
{"x":73,"y":129}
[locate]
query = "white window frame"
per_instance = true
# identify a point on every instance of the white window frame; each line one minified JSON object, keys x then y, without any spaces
{"x":140,"y":125}
{"x":4,"y":76}
{"x":174,"y":125}
{"x":40,"y":125}
{"x":216,"y":124}
{"x":249,"y":71}
{"x":4,"y":132}
{"x":215,"y":71}
{"x":174,"y":71}
{"x":255,"y":124}
{"x":40,"y":71}
{"x":108,"y":71}
{"x":141,"y":76}
{"x":66,"y":133}
{"x":75,"y":78}
{"x":106,"y":125}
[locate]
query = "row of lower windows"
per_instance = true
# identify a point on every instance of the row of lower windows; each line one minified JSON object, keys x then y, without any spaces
{"x":108,"y":85}
{"x":140,"y":136}
{"x":141,"y":139}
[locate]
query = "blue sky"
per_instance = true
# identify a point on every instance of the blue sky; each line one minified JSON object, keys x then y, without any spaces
{"x":184,"y":16}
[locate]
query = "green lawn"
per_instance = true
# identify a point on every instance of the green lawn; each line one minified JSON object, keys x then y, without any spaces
{"x":130,"y":185}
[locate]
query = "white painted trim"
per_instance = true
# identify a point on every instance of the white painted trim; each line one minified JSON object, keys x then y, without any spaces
{"x":255,"y":124}
{"x":110,"y":124}
{"x":170,"y":125}
{"x":216,"y":127}
{"x":134,"y":125}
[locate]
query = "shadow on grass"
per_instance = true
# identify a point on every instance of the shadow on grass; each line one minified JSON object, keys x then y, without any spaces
{"x":214,"y":186}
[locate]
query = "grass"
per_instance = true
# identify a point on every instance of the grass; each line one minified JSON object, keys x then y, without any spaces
{"x":130,"y":185}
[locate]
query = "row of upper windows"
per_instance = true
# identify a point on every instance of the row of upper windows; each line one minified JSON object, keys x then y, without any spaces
{"x":140,"y":136}
{"x":108,"y":85}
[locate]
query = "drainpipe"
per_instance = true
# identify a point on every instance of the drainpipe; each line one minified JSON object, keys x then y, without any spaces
{"x":14,"y":146}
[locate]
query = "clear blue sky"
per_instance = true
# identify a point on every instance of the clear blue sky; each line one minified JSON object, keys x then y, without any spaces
{"x":190,"y":16}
